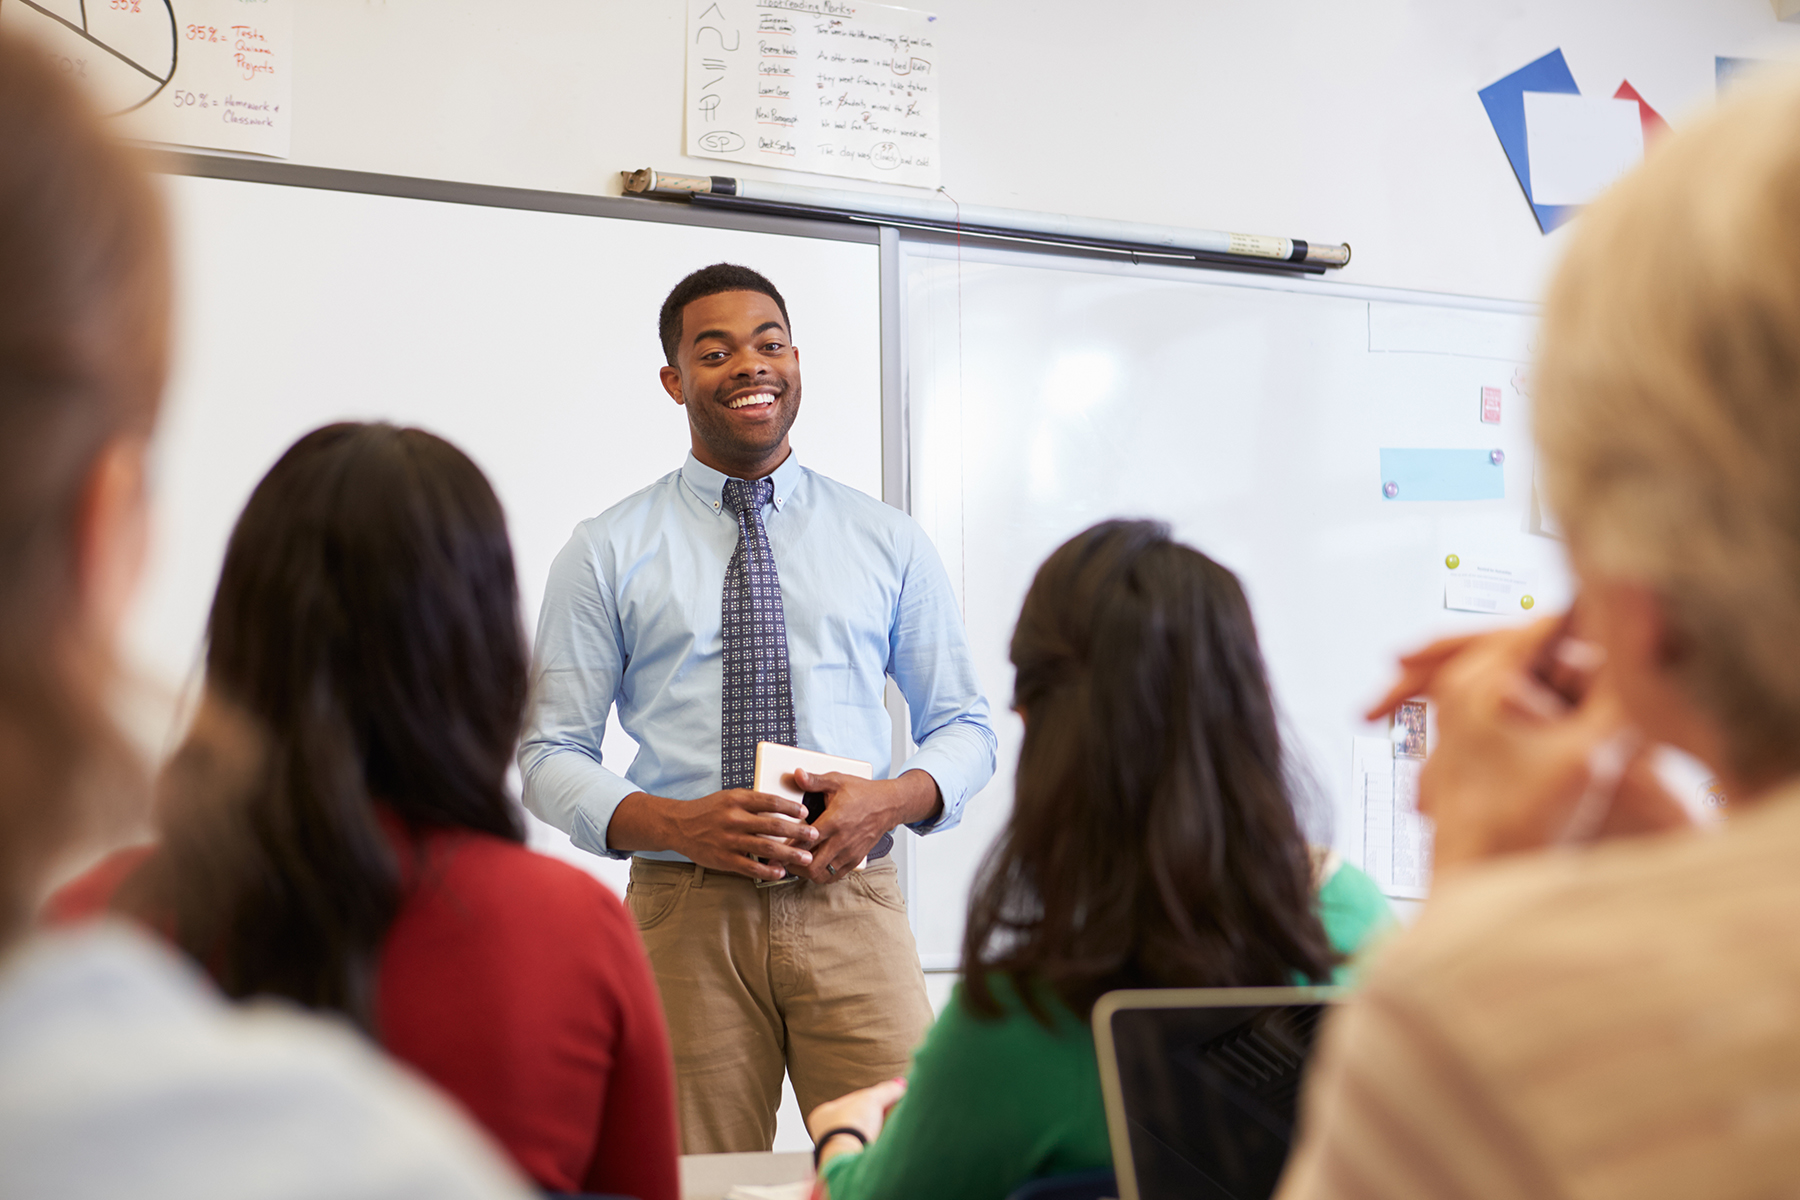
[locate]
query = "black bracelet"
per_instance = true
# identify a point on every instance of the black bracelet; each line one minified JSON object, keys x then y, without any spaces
{"x":819,"y":1147}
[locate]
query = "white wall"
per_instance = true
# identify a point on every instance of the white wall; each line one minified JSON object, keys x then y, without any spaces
{"x":1336,"y":121}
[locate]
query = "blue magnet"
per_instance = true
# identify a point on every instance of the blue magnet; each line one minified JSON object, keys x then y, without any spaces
{"x":1497,"y":457}
{"x":1390,"y":489}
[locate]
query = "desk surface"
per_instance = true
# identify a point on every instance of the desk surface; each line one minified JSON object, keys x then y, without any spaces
{"x":710,"y":1176}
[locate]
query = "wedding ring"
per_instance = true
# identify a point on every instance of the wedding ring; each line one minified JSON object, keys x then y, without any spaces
{"x":830,"y":870}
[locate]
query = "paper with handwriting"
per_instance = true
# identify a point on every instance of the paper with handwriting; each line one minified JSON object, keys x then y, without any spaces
{"x":232,"y":81}
{"x":815,"y":85}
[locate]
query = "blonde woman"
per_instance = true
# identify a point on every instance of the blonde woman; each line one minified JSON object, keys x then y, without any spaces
{"x":1619,"y":1018}
{"x":121,"y":1072}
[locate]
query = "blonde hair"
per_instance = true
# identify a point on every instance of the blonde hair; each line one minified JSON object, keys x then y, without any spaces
{"x":1668,"y":406}
{"x":84,"y":334}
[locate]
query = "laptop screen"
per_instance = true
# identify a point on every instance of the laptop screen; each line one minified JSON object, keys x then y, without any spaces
{"x":1205,"y":1091}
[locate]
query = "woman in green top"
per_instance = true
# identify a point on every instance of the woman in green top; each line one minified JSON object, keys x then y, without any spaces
{"x":1152,"y":843}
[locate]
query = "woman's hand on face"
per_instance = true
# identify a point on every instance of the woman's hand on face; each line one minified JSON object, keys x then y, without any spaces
{"x":1517,"y":767}
{"x":863,"y":1111}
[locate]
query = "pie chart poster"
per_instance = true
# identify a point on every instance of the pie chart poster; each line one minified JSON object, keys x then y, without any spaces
{"x":210,"y":73}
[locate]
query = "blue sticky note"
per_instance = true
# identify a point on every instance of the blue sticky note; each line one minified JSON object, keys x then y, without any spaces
{"x":1442,"y":475}
{"x":1505,"y":104}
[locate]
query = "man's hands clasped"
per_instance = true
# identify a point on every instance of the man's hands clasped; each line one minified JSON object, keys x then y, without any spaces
{"x":736,"y":830}
{"x":745,"y":832}
{"x":857,"y":812}
{"x":768,"y":837}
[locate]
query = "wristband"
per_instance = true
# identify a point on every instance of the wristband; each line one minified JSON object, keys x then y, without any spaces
{"x":819,"y":1147}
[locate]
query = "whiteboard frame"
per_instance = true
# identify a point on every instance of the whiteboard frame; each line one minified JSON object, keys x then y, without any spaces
{"x":895,"y":244}
{"x":912,"y":243}
{"x":281,"y":174}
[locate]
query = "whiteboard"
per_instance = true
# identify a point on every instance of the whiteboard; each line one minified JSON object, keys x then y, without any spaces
{"x":1045,"y":394}
{"x":527,"y":338}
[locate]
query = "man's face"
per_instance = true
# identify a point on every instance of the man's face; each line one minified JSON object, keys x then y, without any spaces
{"x":738,"y":376}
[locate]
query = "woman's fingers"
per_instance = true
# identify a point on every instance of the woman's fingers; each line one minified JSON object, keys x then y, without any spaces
{"x":1421,"y":670}
{"x":1516,"y":766}
{"x":1417,"y":670}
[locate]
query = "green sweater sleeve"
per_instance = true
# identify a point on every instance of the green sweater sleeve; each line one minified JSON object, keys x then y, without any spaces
{"x":1356,"y":916}
{"x":990,"y":1104}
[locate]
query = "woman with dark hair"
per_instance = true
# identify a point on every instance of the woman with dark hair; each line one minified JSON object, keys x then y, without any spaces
{"x":337,"y":827}
{"x":121,"y":1072}
{"x":1152,"y":843}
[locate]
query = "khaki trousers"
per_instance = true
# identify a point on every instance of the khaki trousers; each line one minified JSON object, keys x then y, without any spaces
{"x":822,"y":980}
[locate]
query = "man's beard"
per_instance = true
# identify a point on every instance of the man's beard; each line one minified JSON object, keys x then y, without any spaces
{"x":726,"y":439}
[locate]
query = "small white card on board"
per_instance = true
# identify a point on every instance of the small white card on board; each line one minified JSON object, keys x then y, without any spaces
{"x":1486,"y":588}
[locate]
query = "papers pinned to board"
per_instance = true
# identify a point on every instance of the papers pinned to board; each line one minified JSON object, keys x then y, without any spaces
{"x":1566,"y":146}
{"x":1396,"y":840}
{"x":1488,"y":588}
{"x":837,"y":89}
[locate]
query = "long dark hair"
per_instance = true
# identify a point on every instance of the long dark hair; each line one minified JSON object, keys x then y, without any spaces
{"x":84,"y":305}
{"x":1152,"y":841}
{"x":366,"y":631}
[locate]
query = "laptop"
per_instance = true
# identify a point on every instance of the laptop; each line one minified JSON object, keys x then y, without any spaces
{"x":1202,"y":1086}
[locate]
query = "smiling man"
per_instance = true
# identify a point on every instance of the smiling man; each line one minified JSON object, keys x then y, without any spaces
{"x":745,"y":598}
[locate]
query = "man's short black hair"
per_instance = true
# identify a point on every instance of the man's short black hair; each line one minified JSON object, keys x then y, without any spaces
{"x":710,"y":281}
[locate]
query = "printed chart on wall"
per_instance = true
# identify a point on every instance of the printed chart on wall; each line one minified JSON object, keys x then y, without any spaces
{"x":210,"y":73}
{"x":1395,"y":838}
{"x":814,"y":85}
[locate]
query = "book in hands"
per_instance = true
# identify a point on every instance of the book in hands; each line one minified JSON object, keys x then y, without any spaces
{"x":775,"y":767}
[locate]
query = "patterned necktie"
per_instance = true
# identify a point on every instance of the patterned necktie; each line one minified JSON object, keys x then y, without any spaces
{"x":759,"y":693}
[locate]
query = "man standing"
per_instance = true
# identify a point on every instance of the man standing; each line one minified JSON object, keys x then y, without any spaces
{"x":745,"y":598}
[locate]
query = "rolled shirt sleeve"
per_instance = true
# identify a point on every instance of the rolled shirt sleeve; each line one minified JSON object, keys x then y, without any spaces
{"x":930,"y":663}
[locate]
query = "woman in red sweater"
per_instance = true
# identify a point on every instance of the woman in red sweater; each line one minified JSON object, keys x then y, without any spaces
{"x":336,"y":829}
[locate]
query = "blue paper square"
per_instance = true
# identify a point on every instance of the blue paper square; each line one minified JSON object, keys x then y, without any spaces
{"x":1505,"y":104}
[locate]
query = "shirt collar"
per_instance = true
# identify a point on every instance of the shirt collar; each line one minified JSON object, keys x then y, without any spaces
{"x":709,"y":485}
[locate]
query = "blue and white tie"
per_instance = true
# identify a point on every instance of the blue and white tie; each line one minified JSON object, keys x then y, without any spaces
{"x":759,"y":693}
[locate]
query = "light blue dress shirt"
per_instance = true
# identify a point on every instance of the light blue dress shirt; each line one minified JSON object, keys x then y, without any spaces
{"x":631,"y":616}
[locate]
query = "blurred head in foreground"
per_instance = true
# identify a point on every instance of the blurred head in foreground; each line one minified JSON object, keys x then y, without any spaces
{"x":84,"y":291}
{"x":1152,"y":841}
{"x":365,"y":649}
{"x":1668,"y":421}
